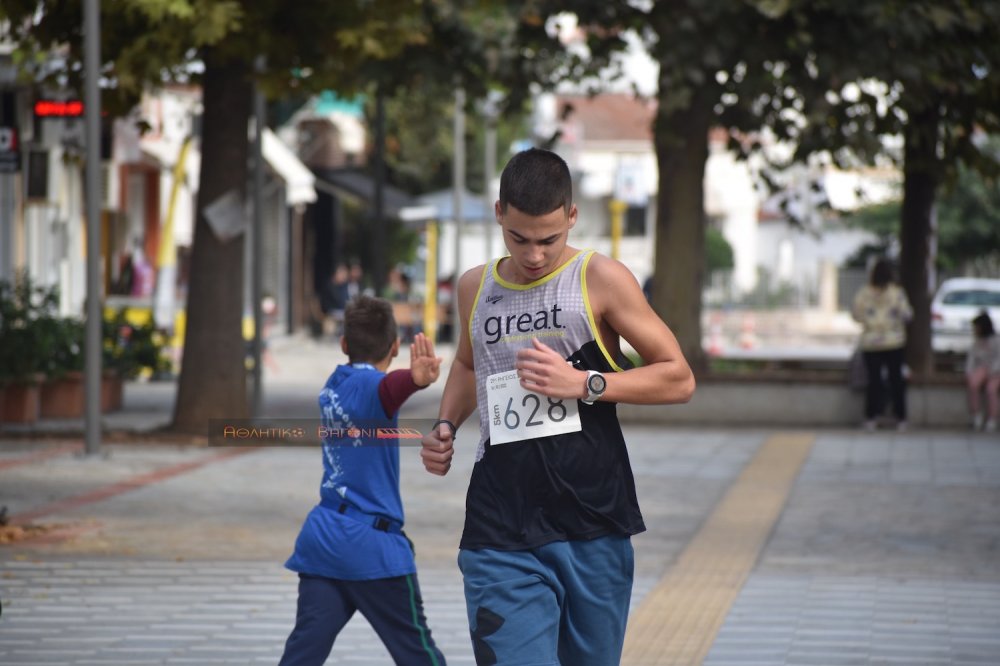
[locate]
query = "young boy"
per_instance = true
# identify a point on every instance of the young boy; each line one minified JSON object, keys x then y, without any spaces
{"x":546,"y":552}
{"x":352,"y":554}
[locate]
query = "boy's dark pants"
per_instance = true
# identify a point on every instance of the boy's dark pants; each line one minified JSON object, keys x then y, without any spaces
{"x":393,"y":607}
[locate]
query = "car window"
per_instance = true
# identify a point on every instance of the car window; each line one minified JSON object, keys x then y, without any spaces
{"x":975,"y":297}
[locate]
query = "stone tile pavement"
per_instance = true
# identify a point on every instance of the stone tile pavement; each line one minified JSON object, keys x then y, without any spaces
{"x":885,"y":551}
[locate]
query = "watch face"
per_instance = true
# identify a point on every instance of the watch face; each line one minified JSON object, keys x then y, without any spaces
{"x":596,"y":384}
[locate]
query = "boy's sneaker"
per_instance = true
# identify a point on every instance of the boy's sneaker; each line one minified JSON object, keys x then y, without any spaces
{"x":977,"y":421}
{"x":991,"y":426}
{"x":902,"y":426}
{"x":869,"y":426}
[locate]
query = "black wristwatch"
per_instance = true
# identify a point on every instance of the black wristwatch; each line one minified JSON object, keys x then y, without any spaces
{"x":596,"y":383}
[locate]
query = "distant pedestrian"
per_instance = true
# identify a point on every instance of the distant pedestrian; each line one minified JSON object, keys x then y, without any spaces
{"x":982,"y":372}
{"x":882,"y":309}
{"x":333,"y":300}
{"x":355,"y":281}
{"x":352,"y":554}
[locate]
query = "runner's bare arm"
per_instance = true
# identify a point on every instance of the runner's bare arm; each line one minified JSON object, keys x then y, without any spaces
{"x":459,"y":398}
{"x":620,"y":309}
{"x":620,"y":306}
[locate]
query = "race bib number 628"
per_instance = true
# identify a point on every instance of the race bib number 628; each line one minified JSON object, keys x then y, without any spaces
{"x":517,"y":414}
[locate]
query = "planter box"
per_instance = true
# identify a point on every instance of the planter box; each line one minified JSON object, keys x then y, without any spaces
{"x":19,"y":403}
{"x":63,"y":398}
{"x":112,"y":393}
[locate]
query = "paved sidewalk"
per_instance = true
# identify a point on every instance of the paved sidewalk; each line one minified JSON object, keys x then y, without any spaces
{"x":884,"y":551}
{"x":764,"y":548}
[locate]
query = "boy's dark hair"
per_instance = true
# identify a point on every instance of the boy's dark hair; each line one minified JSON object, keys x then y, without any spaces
{"x":882,"y":273}
{"x":983,"y":325}
{"x":536,"y":182}
{"x":369,"y":329}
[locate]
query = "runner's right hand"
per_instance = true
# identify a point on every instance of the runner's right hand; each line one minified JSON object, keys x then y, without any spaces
{"x":437,"y":448}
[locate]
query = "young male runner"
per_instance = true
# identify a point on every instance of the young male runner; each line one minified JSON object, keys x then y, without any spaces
{"x":546,"y":552}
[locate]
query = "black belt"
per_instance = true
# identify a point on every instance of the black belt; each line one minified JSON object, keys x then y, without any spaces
{"x":378,"y":522}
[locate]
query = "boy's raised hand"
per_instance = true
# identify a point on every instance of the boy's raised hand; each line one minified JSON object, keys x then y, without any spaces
{"x":424,"y":365}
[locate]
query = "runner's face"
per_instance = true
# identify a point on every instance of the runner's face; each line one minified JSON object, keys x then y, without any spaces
{"x":536,"y":242}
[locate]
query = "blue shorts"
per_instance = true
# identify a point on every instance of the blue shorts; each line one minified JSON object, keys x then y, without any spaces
{"x":562,"y":603}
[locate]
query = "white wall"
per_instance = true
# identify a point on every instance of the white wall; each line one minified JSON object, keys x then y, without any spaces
{"x":796,"y":256}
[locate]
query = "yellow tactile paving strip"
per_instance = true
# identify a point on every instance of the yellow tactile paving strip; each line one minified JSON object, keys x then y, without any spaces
{"x":678,"y":620}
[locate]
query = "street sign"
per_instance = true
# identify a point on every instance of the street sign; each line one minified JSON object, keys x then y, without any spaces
{"x":51,"y":108}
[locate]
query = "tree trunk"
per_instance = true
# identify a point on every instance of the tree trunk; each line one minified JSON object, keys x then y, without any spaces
{"x":212,"y":382}
{"x":681,"y":140}
{"x":918,"y":233}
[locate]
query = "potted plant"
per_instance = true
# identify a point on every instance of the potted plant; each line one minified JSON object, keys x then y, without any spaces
{"x":131,"y":350}
{"x":26,"y":346}
{"x":62,"y":393}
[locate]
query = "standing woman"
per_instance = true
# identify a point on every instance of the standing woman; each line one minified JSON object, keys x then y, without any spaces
{"x":883,"y":310}
{"x":982,"y":371}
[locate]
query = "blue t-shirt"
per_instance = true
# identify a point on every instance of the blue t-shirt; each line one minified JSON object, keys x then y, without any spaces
{"x":363,"y":471}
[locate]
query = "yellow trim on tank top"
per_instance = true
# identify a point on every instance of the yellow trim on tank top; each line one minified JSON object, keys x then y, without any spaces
{"x":540,"y":281}
{"x":590,"y":314}
{"x":475,"y":301}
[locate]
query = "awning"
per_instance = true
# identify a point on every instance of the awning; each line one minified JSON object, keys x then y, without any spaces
{"x":353,"y":184}
{"x":473,"y":208}
{"x":299,"y":180}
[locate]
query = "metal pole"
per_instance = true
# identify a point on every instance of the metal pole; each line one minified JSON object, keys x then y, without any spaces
{"x":618,"y":209}
{"x":379,"y":253}
{"x":257,"y":250}
{"x":489,"y":199}
{"x":95,"y":297}
{"x":458,"y":184}
{"x":430,"y":282}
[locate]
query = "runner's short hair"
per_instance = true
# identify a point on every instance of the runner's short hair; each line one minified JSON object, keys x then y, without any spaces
{"x":536,"y":182}
{"x":369,"y":329}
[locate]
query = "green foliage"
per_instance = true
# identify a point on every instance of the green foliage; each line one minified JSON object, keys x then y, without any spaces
{"x":308,"y":47}
{"x":34,"y":340}
{"x":968,"y":215}
{"x":400,"y":244}
{"x":718,"y":251}
{"x":419,"y":141}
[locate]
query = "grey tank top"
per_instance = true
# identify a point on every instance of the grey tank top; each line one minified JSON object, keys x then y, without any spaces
{"x":575,"y":485}
{"x":506,"y":316}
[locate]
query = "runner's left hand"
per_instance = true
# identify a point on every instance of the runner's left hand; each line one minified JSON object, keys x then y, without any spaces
{"x":542,"y":370}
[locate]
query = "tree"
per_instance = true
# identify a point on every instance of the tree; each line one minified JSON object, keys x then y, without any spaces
{"x":793,"y":66}
{"x":968,"y":214}
{"x":929,"y":74}
{"x":720,"y":65}
{"x":309,"y":47}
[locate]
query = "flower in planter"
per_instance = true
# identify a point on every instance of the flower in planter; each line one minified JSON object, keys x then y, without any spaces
{"x":132,"y":350}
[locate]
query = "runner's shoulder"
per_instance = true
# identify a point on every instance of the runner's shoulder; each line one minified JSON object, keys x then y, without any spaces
{"x":603,"y":271}
{"x":468,"y":284}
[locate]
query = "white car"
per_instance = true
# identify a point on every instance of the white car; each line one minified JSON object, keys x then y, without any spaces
{"x":955,"y":304}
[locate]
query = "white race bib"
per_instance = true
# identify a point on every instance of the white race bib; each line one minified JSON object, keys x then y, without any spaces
{"x":517,"y":414}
